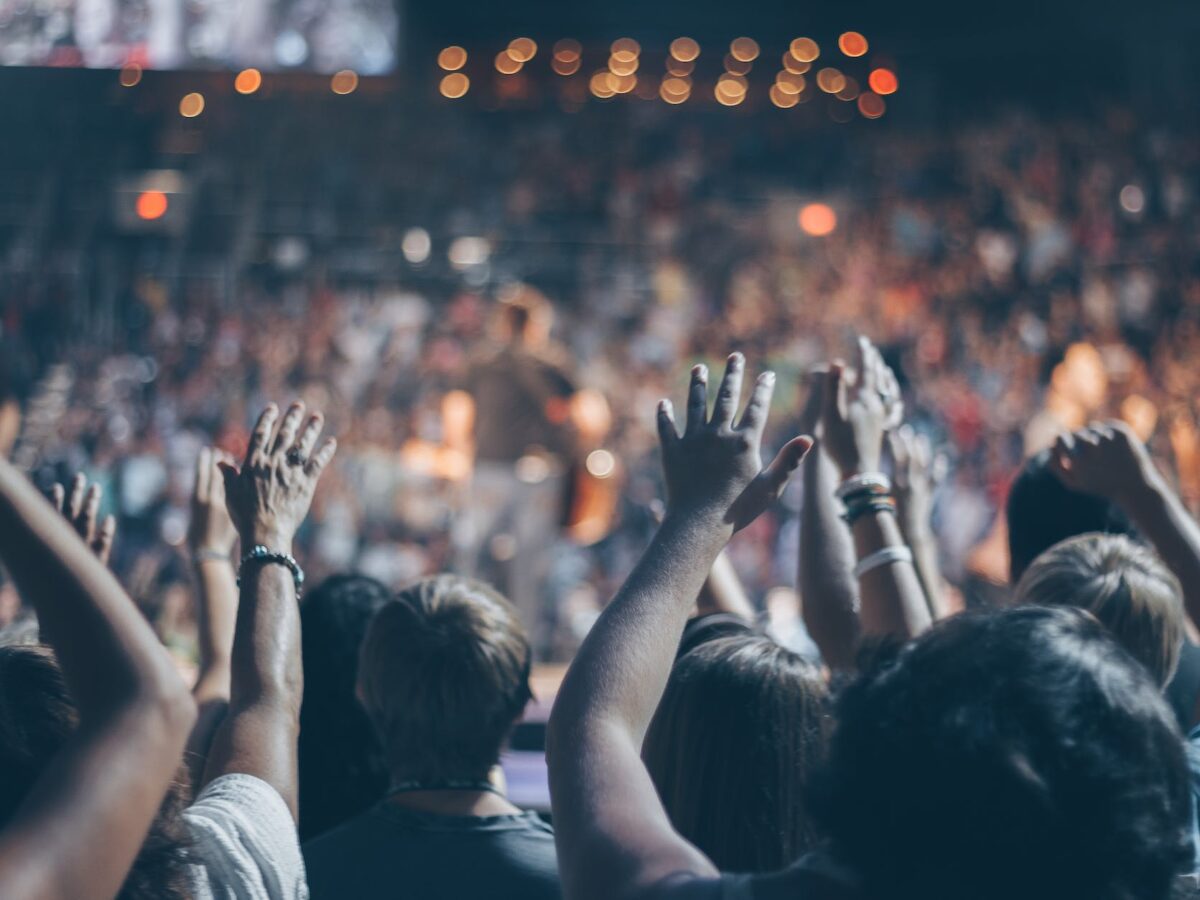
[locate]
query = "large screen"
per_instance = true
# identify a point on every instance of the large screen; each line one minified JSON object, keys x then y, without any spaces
{"x":311,"y":35}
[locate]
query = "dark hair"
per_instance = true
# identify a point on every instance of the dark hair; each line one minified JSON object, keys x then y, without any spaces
{"x":37,"y":717}
{"x":341,"y":767}
{"x":1124,"y":585}
{"x":444,"y":677}
{"x":740,"y":727}
{"x":1019,"y":753}
{"x":1042,"y":512}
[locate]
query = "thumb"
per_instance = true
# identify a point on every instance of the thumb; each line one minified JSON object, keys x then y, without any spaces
{"x":786,"y":461}
{"x":229,"y":474}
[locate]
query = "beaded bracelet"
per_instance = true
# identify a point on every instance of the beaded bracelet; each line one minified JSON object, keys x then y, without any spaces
{"x":265,"y":555}
{"x":867,"y":482}
{"x":866,"y":507}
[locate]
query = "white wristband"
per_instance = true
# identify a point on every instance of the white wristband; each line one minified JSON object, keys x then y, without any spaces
{"x":868,"y":481}
{"x":885,"y":557}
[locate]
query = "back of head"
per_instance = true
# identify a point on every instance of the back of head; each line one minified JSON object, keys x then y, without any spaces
{"x":739,"y":729}
{"x":525,"y":316}
{"x":1042,"y":512}
{"x":1019,"y":753}
{"x":444,"y":676}
{"x":341,"y":768}
{"x":37,"y":717}
{"x":1124,"y":585}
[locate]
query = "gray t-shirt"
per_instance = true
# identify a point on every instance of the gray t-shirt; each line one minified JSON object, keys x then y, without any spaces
{"x":390,"y":852}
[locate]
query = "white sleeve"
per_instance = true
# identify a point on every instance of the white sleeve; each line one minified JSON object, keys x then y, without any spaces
{"x":244,"y":842}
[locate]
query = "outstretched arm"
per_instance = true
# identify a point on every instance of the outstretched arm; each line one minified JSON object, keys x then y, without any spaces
{"x":614,"y":839}
{"x":84,"y":820}
{"x":916,"y":476}
{"x":267,"y":500}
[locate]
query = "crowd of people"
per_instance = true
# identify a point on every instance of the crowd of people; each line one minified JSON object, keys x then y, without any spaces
{"x":906,"y":614}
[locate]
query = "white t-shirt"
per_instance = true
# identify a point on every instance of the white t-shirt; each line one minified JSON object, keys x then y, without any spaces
{"x":244,"y":843}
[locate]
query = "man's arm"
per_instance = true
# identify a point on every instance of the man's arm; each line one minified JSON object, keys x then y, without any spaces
{"x":614,"y":839}
{"x":83,"y":823}
{"x":267,"y":500}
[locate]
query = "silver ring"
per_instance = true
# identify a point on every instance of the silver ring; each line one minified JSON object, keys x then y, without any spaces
{"x":295,"y":457}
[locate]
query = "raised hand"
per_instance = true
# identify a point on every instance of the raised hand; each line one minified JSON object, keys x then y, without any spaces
{"x":814,"y":407}
{"x":210,"y":531}
{"x":1106,"y":459}
{"x":715,"y":468}
{"x":82,"y":509}
{"x":270,"y":495}
{"x":857,"y":415}
{"x":918,"y":471}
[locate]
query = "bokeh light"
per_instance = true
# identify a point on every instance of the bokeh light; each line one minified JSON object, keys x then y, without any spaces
{"x":817,"y":219}
{"x":131,"y":74}
{"x":247,"y":81}
{"x":1132,"y":199}
{"x":679,"y":69}
{"x":455,"y":85}
{"x":789,"y":83}
{"x":599,"y":84}
{"x":452,"y":58}
{"x":151,"y":205}
{"x":737,"y":67}
{"x":805,"y":49}
{"x":416,"y":243}
{"x":522,"y":49}
{"x":625,"y":49}
{"x":783,"y":99}
{"x":883,"y":81}
{"x":675,"y":90}
{"x":622,"y":66}
{"x":871,"y":105}
{"x":853,"y":44}
{"x":744,"y":49}
{"x":830,"y":80}
{"x":568,"y":50}
{"x":685,"y":49}
{"x":793,"y":65}
{"x":344,"y":82}
{"x":850,"y":89}
{"x":191,"y":105}
{"x":566,"y":66}
{"x":507,"y":64}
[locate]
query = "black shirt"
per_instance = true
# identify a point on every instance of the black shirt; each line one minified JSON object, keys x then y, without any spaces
{"x":389,"y":852}
{"x":520,"y":405}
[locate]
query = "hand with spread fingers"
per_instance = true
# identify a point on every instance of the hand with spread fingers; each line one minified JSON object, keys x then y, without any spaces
{"x":859,"y":411}
{"x":81,"y":507}
{"x":269,"y":496}
{"x":1106,"y":459}
{"x":715,"y":468}
{"x":211,"y":533}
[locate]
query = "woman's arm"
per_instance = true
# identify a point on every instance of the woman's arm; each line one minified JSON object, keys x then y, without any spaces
{"x":614,"y":839}
{"x":84,"y":820}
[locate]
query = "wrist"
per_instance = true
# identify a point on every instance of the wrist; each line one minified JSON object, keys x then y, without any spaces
{"x":274,"y":539}
{"x":710,"y":525}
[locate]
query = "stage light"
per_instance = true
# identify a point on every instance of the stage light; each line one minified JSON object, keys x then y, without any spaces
{"x":622,"y":66}
{"x":744,"y":49}
{"x":248,"y":81}
{"x":568,"y":50}
{"x":737,"y":67}
{"x":685,"y":49}
{"x":455,"y":85}
{"x":789,"y":83}
{"x":507,"y":64}
{"x":522,"y":49}
{"x":601,"y":464}
{"x":131,"y":74}
{"x":793,"y":65}
{"x":783,"y":99}
{"x":830,"y":80}
{"x":417,"y":244}
{"x":452,"y":58}
{"x":565,"y":66}
{"x":883,"y":81}
{"x":853,"y":44}
{"x":872,"y":106}
{"x":151,"y":205}
{"x":625,"y":49}
{"x":1133,"y":199}
{"x":850,"y":89}
{"x":805,"y":49}
{"x":191,"y":105}
{"x":817,"y":219}
{"x":679,"y":69}
{"x":344,"y":82}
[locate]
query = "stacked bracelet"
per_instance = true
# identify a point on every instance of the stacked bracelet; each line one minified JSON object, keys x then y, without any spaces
{"x":260,"y":555}
{"x":865,"y":495}
{"x":867,"y":506}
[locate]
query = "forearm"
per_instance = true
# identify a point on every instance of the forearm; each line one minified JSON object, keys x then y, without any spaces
{"x":893,"y":601}
{"x":828,"y":590}
{"x":216,"y":619}
{"x":1162,"y":518}
{"x":929,"y":570}
{"x":723,"y":591}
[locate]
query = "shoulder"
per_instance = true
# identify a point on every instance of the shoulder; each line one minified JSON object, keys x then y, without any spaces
{"x":244,"y":841}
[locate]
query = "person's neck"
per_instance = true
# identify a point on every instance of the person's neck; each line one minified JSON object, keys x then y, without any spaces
{"x":445,"y":801}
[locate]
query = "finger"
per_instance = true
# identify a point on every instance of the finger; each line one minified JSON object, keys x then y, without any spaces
{"x":75,"y":499}
{"x":103,"y":541}
{"x":260,"y":438}
{"x":1103,"y":429}
{"x":786,"y":461}
{"x":1065,"y":445}
{"x":1086,"y":436}
{"x":58,"y":496}
{"x":322,"y":457}
{"x":868,"y":379}
{"x":91,"y":511}
{"x":755,"y":416}
{"x":729,"y":393}
{"x":309,"y":434}
{"x":203,"y":475}
{"x":697,"y":408}
{"x":288,"y":428}
{"x":668,"y":436}
{"x":923,"y":452}
{"x":834,"y":405}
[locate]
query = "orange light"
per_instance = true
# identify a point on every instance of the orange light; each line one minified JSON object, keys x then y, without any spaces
{"x":818,"y":219}
{"x":568,"y":50}
{"x":452,"y":58}
{"x":736,"y":66}
{"x":622,"y":66}
{"x":675,"y":90}
{"x":565,"y":66}
{"x":884,"y":81}
{"x":622,"y":84}
{"x":248,"y":81}
{"x":805,"y":49}
{"x":784,"y":99}
{"x":131,"y":74}
{"x":507,"y":64}
{"x":600,"y":86}
{"x":850,"y":89}
{"x":853,"y":44}
{"x":685,"y":49}
{"x":830,"y":80}
{"x":522,"y":49}
{"x":625,"y":49}
{"x":872,"y":106}
{"x":151,"y":205}
{"x":793,"y":65}
{"x":191,"y":105}
{"x":679,"y":69}
{"x":789,"y":83}
{"x":732,"y":84}
{"x":344,"y":82}
{"x":744,"y":49}
{"x":455,"y":85}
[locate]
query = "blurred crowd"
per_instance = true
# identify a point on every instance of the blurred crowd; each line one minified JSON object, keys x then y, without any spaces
{"x":1022,"y":278}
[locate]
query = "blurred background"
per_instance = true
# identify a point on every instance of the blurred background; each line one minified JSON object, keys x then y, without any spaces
{"x":206,"y":204}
